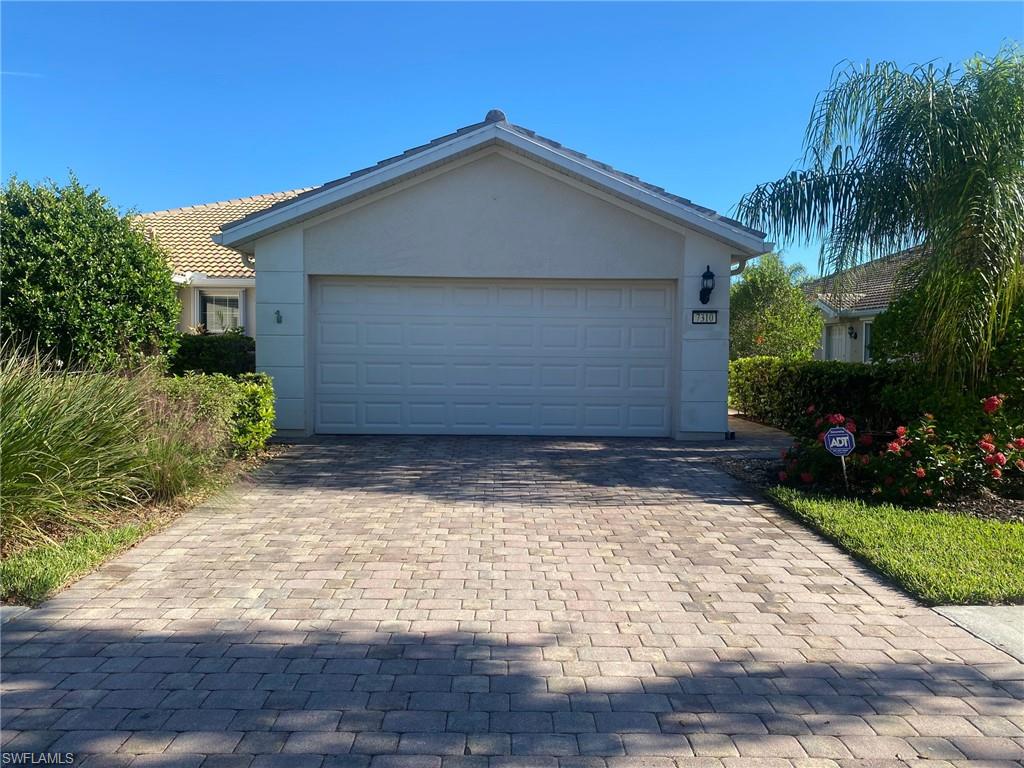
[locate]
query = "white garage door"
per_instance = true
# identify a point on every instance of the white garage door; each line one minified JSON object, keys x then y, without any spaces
{"x":516,"y":357}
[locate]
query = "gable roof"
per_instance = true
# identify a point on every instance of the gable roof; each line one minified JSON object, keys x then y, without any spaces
{"x":867,"y":288}
{"x":493,"y":130}
{"x":186,"y":234}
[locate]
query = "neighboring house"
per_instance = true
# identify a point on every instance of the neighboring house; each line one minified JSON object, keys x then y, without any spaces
{"x":216,"y":285}
{"x":850,"y":301}
{"x":492,"y":282}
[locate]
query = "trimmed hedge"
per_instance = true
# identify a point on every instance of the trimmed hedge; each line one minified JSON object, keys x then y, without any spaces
{"x":242,"y":407}
{"x":253,"y":415}
{"x":231,"y":354}
{"x":879,"y":396}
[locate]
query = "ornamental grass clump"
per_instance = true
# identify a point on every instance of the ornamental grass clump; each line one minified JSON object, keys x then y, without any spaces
{"x":80,"y":447}
{"x":70,"y":446}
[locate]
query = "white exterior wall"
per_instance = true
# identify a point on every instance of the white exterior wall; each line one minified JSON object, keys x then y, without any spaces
{"x":499,"y":215}
{"x":186,"y":297}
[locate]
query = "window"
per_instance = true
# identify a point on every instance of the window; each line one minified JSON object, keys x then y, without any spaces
{"x":219,"y":312}
{"x":867,"y":342}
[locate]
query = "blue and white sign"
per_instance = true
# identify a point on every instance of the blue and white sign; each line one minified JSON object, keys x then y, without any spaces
{"x":839,"y":441}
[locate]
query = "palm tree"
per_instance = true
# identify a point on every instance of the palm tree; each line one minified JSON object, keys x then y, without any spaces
{"x":930,"y":157}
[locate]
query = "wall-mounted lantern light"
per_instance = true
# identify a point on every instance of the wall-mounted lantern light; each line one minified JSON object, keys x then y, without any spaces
{"x":277,"y":316}
{"x":707,"y":285}
{"x":851,"y":333}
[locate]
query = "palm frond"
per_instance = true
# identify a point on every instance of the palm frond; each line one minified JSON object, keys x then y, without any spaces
{"x":933,"y":156}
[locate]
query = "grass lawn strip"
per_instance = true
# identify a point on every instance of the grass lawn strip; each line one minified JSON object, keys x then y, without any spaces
{"x":29,"y":576}
{"x":939,"y":558}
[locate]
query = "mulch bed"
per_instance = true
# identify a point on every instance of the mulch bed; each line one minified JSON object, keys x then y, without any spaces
{"x":763,"y":473}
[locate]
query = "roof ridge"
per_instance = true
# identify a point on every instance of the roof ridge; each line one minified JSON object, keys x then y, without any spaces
{"x":528,"y":133}
{"x":232,"y":201}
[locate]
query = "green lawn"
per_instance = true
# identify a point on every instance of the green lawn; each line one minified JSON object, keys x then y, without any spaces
{"x":939,"y":558}
{"x":33,"y":573}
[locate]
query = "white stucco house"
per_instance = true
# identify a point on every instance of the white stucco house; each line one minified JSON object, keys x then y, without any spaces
{"x":850,"y":301}
{"x":489,"y":282}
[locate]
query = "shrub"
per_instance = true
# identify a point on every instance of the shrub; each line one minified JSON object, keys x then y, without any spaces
{"x":78,"y":445}
{"x":190,"y":429}
{"x":920,"y":464}
{"x":240,"y":410}
{"x":769,"y":314}
{"x":883,"y":396}
{"x":70,"y":446}
{"x":776,"y":392}
{"x":253,"y":416}
{"x":231,"y":353}
{"x":80,"y":280}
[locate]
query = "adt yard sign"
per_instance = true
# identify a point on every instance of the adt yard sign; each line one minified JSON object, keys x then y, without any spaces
{"x":839,"y":441}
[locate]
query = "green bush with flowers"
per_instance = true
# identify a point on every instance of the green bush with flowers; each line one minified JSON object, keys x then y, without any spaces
{"x":915,"y":465}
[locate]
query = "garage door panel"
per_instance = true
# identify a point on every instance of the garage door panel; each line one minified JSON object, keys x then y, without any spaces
{"x":649,"y":377}
{"x":493,"y":357}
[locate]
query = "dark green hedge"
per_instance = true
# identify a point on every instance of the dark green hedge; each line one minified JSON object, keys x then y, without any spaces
{"x":229,"y":353}
{"x":880,"y":397}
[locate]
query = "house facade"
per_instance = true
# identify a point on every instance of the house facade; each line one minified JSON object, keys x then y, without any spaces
{"x":216,"y":285}
{"x":850,"y":301}
{"x":491,"y":281}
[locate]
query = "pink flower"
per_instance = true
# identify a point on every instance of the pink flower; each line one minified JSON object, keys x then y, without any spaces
{"x":1019,"y":464}
{"x":919,"y":472}
{"x":850,"y":426}
{"x":836,"y":419}
{"x":895,"y":446}
{"x":866,"y":440}
{"x":1000,"y":459}
{"x":783,"y":477}
{"x":904,"y":491}
{"x":986,"y":446}
{"x":807,"y":477}
{"x":810,"y":408}
{"x":928,"y":491}
{"x":992,"y":403}
{"x":901,"y":431}
{"x":997,"y":473}
{"x":990,"y":459}
{"x":1019,"y":443}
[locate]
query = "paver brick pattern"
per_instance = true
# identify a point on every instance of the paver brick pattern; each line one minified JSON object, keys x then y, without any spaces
{"x":499,"y":602}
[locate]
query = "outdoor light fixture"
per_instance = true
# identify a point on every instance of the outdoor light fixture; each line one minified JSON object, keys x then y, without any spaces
{"x":707,"y":284}
{"x":851,"y":333}
{"x":277,"y":316}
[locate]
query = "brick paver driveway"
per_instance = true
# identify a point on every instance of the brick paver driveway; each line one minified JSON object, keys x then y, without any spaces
{"x":472,"y":602}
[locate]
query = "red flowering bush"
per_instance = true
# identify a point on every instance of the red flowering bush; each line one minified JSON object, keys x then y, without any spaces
{"x":915,"y":465}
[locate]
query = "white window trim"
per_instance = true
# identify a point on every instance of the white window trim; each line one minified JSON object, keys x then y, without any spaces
{"x":234,"y":293}
{"x":864,"y":357}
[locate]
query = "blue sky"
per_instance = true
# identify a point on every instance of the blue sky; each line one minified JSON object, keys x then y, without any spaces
{"x":163,"y":105}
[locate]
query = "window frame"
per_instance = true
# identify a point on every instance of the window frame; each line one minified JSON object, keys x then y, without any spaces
{"x":199,"y":305}
{"x":865,"y":346}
